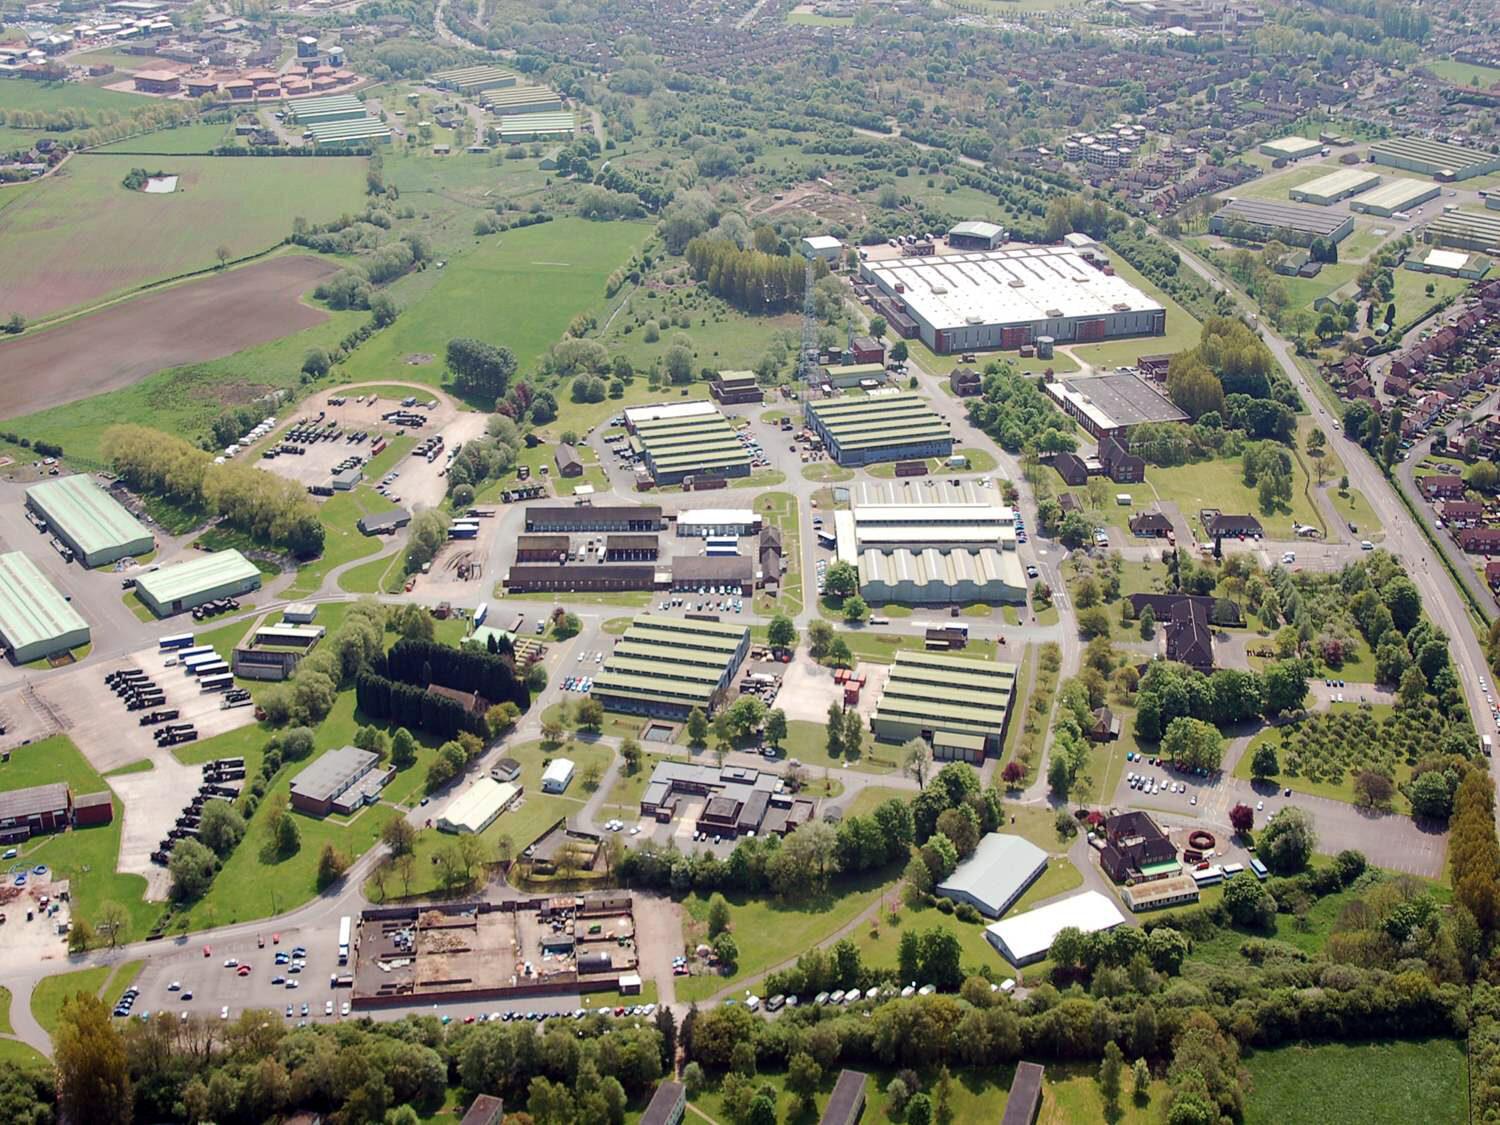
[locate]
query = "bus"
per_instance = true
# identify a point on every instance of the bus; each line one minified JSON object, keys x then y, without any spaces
{"x":344,"y":927}
{"x":221,"y":682}
{"x":174,"y":642}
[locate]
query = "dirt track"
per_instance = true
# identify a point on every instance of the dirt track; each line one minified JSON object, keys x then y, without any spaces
{"x":191,"y":323}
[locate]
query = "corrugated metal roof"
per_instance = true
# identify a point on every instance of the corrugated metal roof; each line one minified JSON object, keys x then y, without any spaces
{"x":185,"y":579}
{"x":31,"y":609}
{"x":88,"y":515}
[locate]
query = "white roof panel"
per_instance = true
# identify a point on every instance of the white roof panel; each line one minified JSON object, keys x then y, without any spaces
{"x":1030,"y":935}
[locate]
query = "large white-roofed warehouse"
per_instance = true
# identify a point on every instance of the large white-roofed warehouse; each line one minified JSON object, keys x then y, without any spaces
{"x":957,"y":705}
{"x":1394,"y":195}
{"x":699,"y":444}
{"x":1027,"y":937}
{"x":862,"y":430}
{"x":666,"y":666}
{"x":93,"y":523}
{"x":1433,"y":158}
{"x":172,"y":589}
{"x":916,"y":545}
{"x":997,"y":874}
{"x":1007,"y":298}
{"x":35,"y":620}
{"x":1328,"y":190}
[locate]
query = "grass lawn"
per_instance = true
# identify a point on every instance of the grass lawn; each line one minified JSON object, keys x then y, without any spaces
{"x":86,"y":856}
{"x":1411,"y":292}
{"x":5,"y":1024}
{"x":1464,"y":74}
{"x":979,"y":461}
{"x":1071,"y":1094}
{"x":826,"y":471}
{"x":519,"y":289}
{"x":342,"y":540}
{"x":807,"y":742}
{"x":879,"y":940}
{"x":1182,"y":328}
{"x":868,"y":798}
{"x":50,"y":992}
{"x":15,"y":1053}
{"x":1061,"y":363}
{"x":1369,"y":1083}
{"x":195,"y":138}
{"x":80,"y":235}
{"x":124,"y":977}
{"x":769,"y":932}
{"x":381,"y":575}
{"x":1220,"y":484}
{"x":779,"y":509}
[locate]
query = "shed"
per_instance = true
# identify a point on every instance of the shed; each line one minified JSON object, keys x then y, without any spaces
{"x":557,"y":776}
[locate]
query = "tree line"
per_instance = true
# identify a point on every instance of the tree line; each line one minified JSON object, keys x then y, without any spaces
{"x":265,"y":506}
{"x":750,"y":280}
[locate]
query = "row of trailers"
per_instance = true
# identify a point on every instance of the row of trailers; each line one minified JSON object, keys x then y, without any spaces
{"x":204,"y":664}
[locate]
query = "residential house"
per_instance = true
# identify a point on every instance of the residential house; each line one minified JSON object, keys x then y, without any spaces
{"x":1462,"y":513}
{"x":1071,"y":468}
{"x":1480,"y":540}
{"x":1218,"y":524}
{"x":965,"y":382}
{"x":1151,"y":525}
{"x":1492,"y":574}
{"x":1441,"y":486}
{"x":1122,"y":466}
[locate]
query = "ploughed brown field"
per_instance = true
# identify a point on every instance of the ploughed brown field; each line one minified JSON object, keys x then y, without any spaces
{"x":189,"y":323}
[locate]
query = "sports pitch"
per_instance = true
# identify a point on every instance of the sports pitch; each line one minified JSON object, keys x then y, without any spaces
{"x":78,"y":235}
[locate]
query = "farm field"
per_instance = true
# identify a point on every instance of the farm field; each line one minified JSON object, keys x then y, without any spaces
{"x":1371,"y":1083}
{"x":520,"y":289}
{"x":170,"y":142}
{"x":79,"y":235}
{"x":220,"y":335}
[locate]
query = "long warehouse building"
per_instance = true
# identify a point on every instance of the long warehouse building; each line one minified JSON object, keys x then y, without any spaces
{"x":1009,"y":298}
{"x":184,"y":585}
{"x":891,"y":427}
{"x":1441,"y":161}
{"x":1392,"y":196}
{"x":695,"y":445}
{"x":1466,"y":230}
{"x":957,"y":705}
{"x":1328,"y":190}
{"x":93,"y":523}
{"x":521,"y":99}
{"x":35,"y":620}
{"x":1295,"y":223}
{"x":667,"y":666}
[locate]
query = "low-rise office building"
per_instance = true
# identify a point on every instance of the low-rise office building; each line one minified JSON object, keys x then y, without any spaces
{"x":731,"y":800}
{"x":1112,"y":404}
{"x":340,"y":781}
{"x":182,"y":586}
{"x":36,"y":809}
{"x":736,"y":387}
{"x":35,"y":620}
{"x":95,"y":525}
{"x":958,"y":705}
{"x":703,"y":522}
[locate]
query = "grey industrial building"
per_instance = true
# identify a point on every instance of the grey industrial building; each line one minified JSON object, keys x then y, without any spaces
{"x":1441,"y":161}
{"x":861,"y":431}
{"x":1466,"y":230}
{"x":1112,"y":404}
{"x":975,"y":234}
{"x":1007,"y":298}
{"x":91,"y":522}
{"x":1297,"y":224}
{"x":730,"y":800}
{"x":1328,"y":190}
{"x":339,"y":782}
{"x":1392,"y":196}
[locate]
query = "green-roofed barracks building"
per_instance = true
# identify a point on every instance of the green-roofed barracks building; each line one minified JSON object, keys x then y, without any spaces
{"x":35,"y":620}
{"x":521,"y":99}
{"x":676,"y":447}
{"x":541,"y":125}
{"x":89,"y":520}
{"x":360,"y":132}
{"x":334,"y":107}
{"x":861,"y":431}
{"x":473,"y":79}
{"x":172,"y":589}
{"x":956,"y":705}
{"x":665,"y":666}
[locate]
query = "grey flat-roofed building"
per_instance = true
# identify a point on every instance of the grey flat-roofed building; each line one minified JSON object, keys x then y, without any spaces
{"x":667,"y":1105}
{"x":1108,"y":404}
{"x":1025,"y":1099}
{"x":997,"y":874}
{"x":172,"y":589}
{"x":35,"y":620}
{"x":1294,"y":223}
{"x":383,"y":523}
{"x":1290,"y":148}
{"x":1434,"y":158}
{"x":321,"y":787}
{"x":89,"y":520}
{"x":590,"y":518}
{"x":1394,"y":195}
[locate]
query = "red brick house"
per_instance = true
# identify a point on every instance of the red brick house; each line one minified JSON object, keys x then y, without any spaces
{"x":1442,"y":486}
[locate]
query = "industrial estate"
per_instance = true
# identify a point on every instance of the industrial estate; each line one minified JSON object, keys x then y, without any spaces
{"x":800,"y":562}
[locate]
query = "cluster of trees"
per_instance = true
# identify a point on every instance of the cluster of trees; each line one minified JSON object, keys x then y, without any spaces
{"x":1231,"y":360}
{"x":424,"y":662}
{"x":1163,"y":266}
{"x":1170,"y":691}
{"x":256,"y":1068}
{"x":480,"y":368}
{"x":269,"y":508}
{"x":484,"y":459}
{"x":750,"y":280}
{"x":307,"y":697}
{"x":1267,"y":467}
{"x":1018,"y":414}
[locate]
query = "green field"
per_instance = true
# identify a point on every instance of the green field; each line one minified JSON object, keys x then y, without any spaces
{"x":1182,"y":328}
{"x":50,"y":992}
{"x":343,"y":542}
{"x":174,"y":142}
{"x":79,"y":235}
{"x":1220,"y":484}
{"x":1385,"y":1083}
{"x":520,"y":289}
{"x":771,"y":932}
{"x":1464,"y":74}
